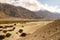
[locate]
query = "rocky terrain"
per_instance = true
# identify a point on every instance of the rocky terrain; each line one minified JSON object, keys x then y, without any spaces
{"x":8,"y":10}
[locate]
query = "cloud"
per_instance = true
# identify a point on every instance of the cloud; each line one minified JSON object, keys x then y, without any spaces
{"x":5,"y":1}
{"x":50,"y":8}
{"x":29,"y":4}
{"x":32,"y":5}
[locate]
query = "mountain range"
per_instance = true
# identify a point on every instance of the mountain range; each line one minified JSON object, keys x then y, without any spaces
{"x":11,"y":11}
{"x":16,"y":12}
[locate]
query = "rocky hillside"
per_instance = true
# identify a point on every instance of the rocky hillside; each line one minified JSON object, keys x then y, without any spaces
{"x":48,"y":15}
{"x":16,"y":12}
{"x":9,"y":11}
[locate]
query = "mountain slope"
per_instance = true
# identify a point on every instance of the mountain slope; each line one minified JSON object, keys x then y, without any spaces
{"x":17,"y":12}
{"x":3,"y":15}
{"x":48,"y":15}
{"x":9,"y":11}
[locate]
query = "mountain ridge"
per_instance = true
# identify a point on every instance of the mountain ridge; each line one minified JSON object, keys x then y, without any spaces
{"x":9,"y":11}
{"x":17,"y":12}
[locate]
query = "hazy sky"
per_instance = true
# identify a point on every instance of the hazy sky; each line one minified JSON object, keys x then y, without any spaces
{"x":35,"y":5}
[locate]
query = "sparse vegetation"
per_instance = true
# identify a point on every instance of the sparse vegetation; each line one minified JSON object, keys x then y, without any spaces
{"x":9,"y":26}
{"x":22,"y":26}
{"x":43,"y":36}
{"x":12,"y":29}
{"x":15,"y":24}
{"x":1,"y":26}
{"x":20,"y":30}
{"x":8,"y":35}
{"x":23,"y":35}
{"x":0,"y":30}
{"x":16,"y":32}
{"x":18,"y":21}
{"x":6,"y":26}
{"x":2,"y":37}
{"x":35,"y":35}
{"x":9,"y":30}
{"x":4,"y":31}
{"x":56,"y":28}
{"x":49,"y":31}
